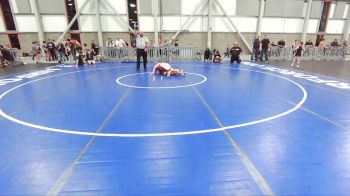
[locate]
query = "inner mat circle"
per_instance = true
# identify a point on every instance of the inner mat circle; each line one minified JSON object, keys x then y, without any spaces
{"x":147,"y":80}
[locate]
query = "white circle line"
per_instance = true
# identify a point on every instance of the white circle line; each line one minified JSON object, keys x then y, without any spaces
{"x":296,"y":107}
{"x":159,"y":87}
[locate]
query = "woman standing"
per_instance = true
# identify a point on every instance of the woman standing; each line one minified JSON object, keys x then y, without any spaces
{"x":298,"y":48}
{"x":37,"y":55}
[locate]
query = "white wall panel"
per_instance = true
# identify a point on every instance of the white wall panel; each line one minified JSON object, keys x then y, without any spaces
{"x":188,"y":6}
{"x":2,"y":25}
{"x":14,"y":6}
{"x":118,"y":5}
{"x":245,"y":24}
{"x":313,"y":24}
{"x":221,"y":24}
{"x":346,"y":9}
{"x":332,"y":10}
{"x":229,"y":6}
{"x":272,"y":25}
{"x":171,"y":23}
{"x":196,"y":24}
{"x":89,"y":8}
{"x":146,"y":23}
{"x":284,"y":25}
{"x":26,"y":23}
{"x":88,"y":23}
{"x":335,"y":26}
{"x":293,"y":25}
{"x":54,"y":23}
{"x":113,"y":24}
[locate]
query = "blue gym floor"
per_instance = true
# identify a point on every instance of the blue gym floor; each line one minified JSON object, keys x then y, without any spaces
{"x":223,"y":129}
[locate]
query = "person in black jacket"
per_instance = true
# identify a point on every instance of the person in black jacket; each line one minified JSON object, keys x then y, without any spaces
{"x":80,"y":57}
{"x":265,"y":48}
{"x":235,"y":52}
{"x":207,"y":55}
{"x":256,"y":45}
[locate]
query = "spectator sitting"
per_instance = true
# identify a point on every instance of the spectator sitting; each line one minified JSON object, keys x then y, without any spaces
{"x":322,"y":44}
{"x":281,"y":43}
{"x":90,"y":57}
{"x":110,"y":43}
{"x":6,"y":56}
{"x":309,"y":43}
{"x":119,"y":43}
{"x":335,"y":43}
{"x":217,"y":57}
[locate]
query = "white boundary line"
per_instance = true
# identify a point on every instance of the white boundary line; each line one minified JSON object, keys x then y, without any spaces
{"x":161,"y":79}
{"x":296,"y":107}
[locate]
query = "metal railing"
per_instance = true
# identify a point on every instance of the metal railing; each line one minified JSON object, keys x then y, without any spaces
{"x":309,"y":53}
{"x":128,"y":54}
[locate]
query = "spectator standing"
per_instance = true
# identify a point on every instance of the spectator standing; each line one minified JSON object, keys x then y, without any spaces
{"x":38,"y":52}
{"x":33,"y":50}
{"x":80,"y":57}
{"x":344,"y":44}
{"x":322,"y":46}
{"x":227,"y":53}
{"x":265,"y":46}
{"x":62,"y":51}
{"x":46,"y":51}
{"x":68,"y":50}
{"x":256,"y":45}
{"x":94,"y":47}
{"x":75,"y":46}
{"x":51,"y":48}
{"x":95,"y":50}
{"x":207,"y":55}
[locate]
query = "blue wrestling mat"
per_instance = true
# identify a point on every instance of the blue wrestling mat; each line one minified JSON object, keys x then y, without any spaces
{"x":221,"y":129}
